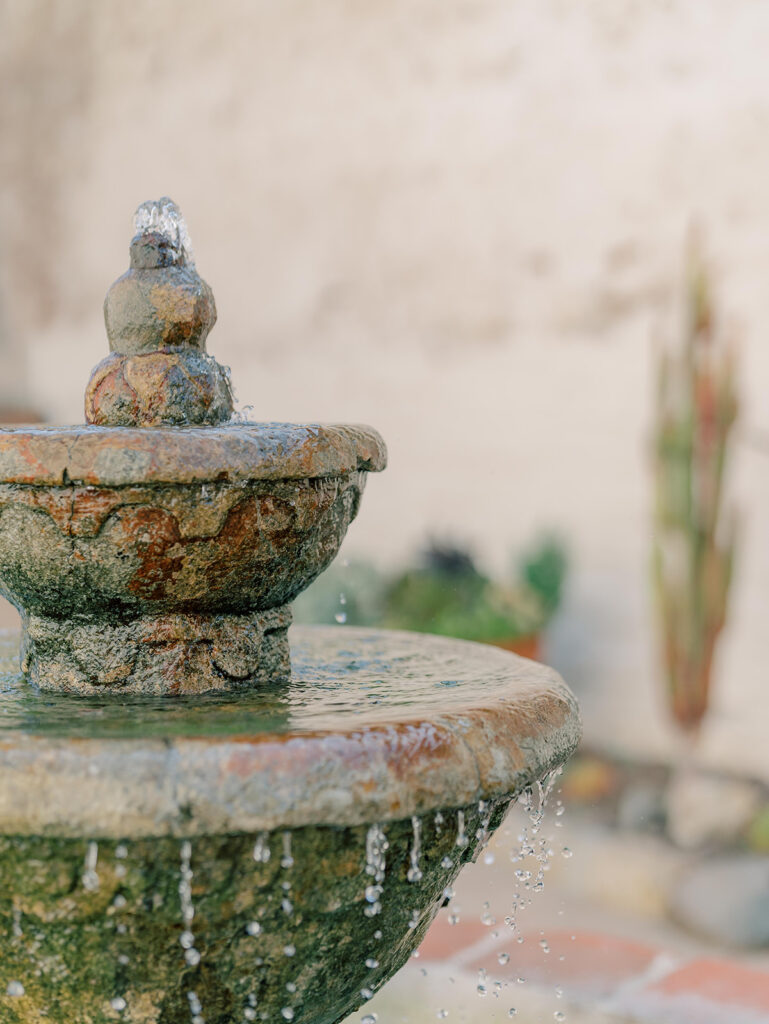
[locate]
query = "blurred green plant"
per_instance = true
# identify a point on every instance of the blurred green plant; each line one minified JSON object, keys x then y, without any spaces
{"x":694,"y":540}
{"x":443,"y":593}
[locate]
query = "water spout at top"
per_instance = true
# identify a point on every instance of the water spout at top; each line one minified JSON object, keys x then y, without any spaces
{"x":163,"y":217}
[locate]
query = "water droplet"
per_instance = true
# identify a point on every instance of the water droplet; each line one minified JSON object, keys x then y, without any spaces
{"x":442,"y":1014}
{"x":192,"y":957}
{"x":366,"y":993}
{"x":249,"y":1013}
{"x":370,"y":1018}
{"x":503,"y":958}
{"x":341,"y":618}
{"x":253,"y":928}
{"x":287,"y":861}
{"x":376,"y":848}
{"x":15,"y":988}
{"x":559,"y":1015}
{"x":121,"y":851}
{"x":462,"y":840}
{"x":90,"y":877}
{"x":290,"y":987}
{"x":559,"y":993}
{"x":488,"y":858}
{"x":287,"y":1013}
{"x":371,"y":963}
{"x":481,"y":990}
{"x":118,"y":1003}
{"x":262,"y":849}
{"x":566,"y":852}
{"x":544,"y":944}
{"x":447,"y":863}
{"x":453,"y":918}
{"x":187,"y":940}
{"x":414,"y":873}
{"x":512,"y":1012}
{"x":289,"y":950}
{"x":119,"y":901}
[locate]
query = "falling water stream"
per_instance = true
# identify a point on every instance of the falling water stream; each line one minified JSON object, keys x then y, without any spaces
{"x":522,"y":839}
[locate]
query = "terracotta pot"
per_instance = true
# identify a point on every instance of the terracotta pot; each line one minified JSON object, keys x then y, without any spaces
{"x":529,"y":646}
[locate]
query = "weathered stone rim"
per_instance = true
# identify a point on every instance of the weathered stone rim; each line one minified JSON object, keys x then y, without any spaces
{"x":117,"y":457}
{"x":203,"y":786}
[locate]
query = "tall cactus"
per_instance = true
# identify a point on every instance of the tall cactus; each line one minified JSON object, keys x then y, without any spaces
{"x":693,"y":539}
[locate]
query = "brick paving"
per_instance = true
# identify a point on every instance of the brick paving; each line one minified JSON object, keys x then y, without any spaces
{"x":627,"y":980}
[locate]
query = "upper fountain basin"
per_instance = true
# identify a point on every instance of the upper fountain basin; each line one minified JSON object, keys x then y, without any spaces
{"x":238,"y":517}
{"x":164,"y":560}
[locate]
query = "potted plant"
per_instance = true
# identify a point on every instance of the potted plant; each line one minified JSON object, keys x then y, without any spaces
{"x":446,"y":593}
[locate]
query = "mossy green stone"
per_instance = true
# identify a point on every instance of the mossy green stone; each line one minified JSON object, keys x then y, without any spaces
{"x":85,"y":925}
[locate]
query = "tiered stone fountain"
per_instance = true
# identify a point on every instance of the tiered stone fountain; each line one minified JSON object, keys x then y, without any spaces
{"x":196,"y":824}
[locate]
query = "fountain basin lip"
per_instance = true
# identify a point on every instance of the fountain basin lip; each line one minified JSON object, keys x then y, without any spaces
{"x":235,"y":452}
{"x":373,"y":768}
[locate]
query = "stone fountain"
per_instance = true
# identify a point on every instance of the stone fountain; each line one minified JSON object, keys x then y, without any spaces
{"x":199,"y":823}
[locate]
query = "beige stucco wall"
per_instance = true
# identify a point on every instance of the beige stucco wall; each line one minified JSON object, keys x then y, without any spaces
{"x":461,"y":222}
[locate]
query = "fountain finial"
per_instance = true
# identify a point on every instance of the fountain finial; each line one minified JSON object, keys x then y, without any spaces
{"x":158,"y":315}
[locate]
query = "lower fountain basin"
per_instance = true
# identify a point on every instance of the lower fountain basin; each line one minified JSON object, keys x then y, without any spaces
{"x":271,"y":857}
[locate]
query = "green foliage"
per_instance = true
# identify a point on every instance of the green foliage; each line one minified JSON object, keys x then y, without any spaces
{"x":758,"y":833}
{"x":543,"y":569}
{"x":694,"y":542}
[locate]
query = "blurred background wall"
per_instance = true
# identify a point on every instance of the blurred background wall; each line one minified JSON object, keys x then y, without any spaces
{"x":462,"y":222}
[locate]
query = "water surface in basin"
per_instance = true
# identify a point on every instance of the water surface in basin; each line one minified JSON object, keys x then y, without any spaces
{"x":343,"y":678}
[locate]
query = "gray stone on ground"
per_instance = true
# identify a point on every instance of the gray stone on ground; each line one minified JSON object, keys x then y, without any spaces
{"x":705,"y":810}
{"x":642,"y":808}
{"x":726,"y":900}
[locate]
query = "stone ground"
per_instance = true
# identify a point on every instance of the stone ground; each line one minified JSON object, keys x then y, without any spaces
{"x":613,"y":956}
